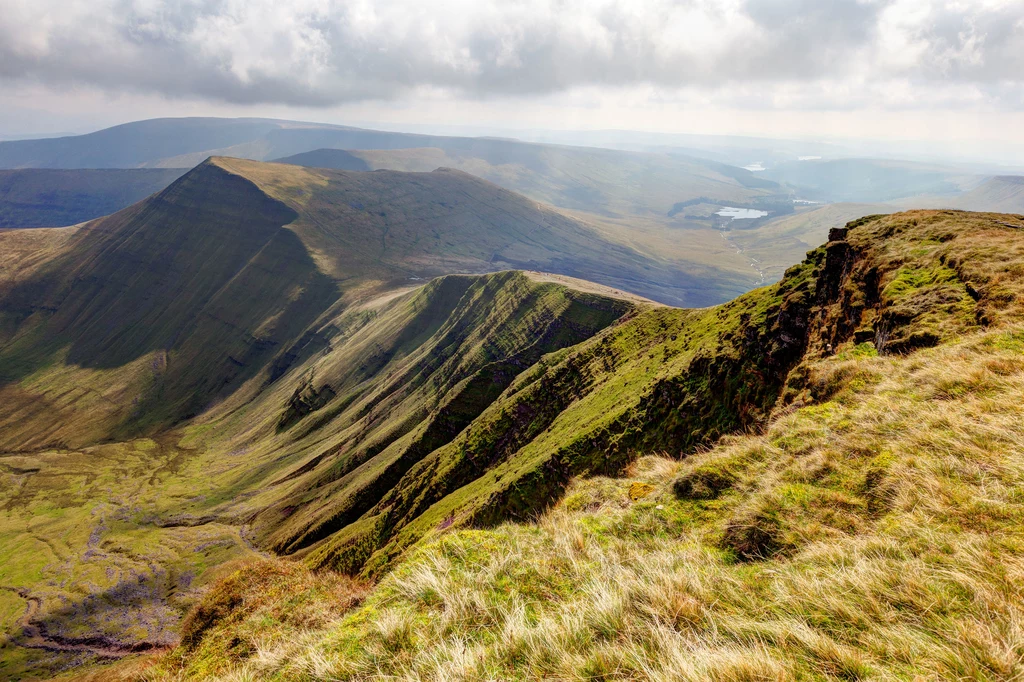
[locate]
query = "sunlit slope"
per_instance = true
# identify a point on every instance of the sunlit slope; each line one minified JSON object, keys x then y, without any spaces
{"x":869,"y":528}
{"x":53,"y":198}
{"x":399,"y":225}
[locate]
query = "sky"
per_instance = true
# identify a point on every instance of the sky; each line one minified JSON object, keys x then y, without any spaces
{"x":950,"y":71}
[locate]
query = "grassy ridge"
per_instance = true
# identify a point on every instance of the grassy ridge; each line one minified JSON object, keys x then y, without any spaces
{"x":869,"y":529}
{"x":887,"y":522}
{"x":346,"y":426}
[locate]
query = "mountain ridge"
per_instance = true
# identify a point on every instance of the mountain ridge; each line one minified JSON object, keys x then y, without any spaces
{"x":812,"y":426}
{"x":407,"y":422}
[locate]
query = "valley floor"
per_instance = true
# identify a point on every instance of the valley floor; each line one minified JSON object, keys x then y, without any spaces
{"x":98,"y":565}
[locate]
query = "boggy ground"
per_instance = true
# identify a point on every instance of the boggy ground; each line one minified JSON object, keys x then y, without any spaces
{"x":96,"y":564}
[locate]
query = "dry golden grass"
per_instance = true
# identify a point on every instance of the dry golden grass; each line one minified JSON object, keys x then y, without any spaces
{"x":873,"y":536}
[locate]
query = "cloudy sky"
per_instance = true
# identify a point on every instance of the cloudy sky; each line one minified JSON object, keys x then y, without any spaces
{"x":879,"y":68}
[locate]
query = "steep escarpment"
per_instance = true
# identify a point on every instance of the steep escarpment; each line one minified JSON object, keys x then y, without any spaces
{"x":674,"y":380}
{"x":847,"y":503}
{"x":386,"y":387}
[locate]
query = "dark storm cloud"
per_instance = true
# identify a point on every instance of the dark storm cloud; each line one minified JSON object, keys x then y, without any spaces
{"x":321,"y":52}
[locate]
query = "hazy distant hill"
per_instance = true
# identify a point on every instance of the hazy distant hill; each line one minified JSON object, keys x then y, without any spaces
{"x":573,"y":177}
{"x":1001,"y":194}
{"x":133,"y":144}
{"x":52,"y":198}
{"x":867,"y":180}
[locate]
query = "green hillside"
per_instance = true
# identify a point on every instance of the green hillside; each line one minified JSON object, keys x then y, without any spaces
{"x":417,"y":469}
{"x":866,"y":524}
{"x":55,"y":198}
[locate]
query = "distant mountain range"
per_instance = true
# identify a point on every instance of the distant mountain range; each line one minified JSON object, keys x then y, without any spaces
{"x":1000,"y":194}
{"x":54,"y":198}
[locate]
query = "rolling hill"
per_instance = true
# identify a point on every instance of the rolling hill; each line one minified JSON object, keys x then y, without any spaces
{"x":601,"y":181}
{"x":631,"y":197}
{"x":133,"y":144}
{"x":786,"y":238}
{"x":57,"y":198}
{"x":594,"y":180}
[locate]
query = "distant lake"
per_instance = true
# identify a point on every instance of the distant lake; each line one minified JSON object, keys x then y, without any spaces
{"x":754,"y":167}
{"x":740,"y":213}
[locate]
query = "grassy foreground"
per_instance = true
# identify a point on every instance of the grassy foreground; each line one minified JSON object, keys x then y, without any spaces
{"x":874,"y":535}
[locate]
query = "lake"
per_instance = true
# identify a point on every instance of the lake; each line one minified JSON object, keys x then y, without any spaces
{"x":740,"y":213}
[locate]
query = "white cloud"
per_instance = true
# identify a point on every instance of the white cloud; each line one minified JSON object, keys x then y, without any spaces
{"x":833,"y":53}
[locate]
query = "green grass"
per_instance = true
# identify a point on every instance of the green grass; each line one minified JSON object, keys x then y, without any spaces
{"x":891,"y":552}
{"x":826,"y":422}
{"x":865,"y":527}
{"x":77,"y":533}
